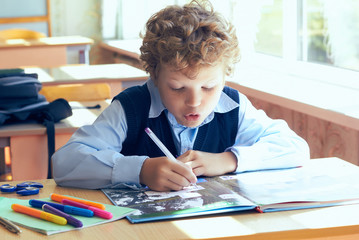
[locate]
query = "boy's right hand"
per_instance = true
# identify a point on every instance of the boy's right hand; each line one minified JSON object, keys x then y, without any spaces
{"x":162,"y":174}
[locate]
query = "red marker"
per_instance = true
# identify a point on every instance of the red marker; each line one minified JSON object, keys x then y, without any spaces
{"x":96,"y":211}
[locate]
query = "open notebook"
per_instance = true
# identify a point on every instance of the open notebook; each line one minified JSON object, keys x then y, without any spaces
{"x":320,"y":183}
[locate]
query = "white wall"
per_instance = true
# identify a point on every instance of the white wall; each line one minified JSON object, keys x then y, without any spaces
{"x":79,"y":17}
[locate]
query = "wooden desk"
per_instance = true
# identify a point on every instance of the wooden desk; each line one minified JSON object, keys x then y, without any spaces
{"x":43,"y":52}
{"x":127,"y":51}
{"x":130,"y":48}
{"x":118,"y":76}
{"x":335,"y":223}
{"x":28,"y":142}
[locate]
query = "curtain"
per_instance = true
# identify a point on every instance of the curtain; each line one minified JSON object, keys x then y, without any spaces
{"x":126,"y":19}
{"x":343,"y":32}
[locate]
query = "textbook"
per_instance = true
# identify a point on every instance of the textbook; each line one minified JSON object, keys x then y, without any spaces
{"x":49,"y":228}
{"x":319,"y":183}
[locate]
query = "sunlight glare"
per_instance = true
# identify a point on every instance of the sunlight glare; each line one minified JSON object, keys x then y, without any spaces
{"x":43,"y":75}
{"x":328,"y":217}
{"x":86,"y":117}
{"x":212,"y":227}
{"x":17,"y":41}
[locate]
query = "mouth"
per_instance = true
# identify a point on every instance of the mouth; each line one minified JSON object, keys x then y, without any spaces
{"x":192,"y":117}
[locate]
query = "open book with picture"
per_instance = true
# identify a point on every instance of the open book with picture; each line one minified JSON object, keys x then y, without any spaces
{"x":320,"y":183}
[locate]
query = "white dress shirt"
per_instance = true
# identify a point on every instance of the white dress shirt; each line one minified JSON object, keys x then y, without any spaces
{"x":92,"y":159}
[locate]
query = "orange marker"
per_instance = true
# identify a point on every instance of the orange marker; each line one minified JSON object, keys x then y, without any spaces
{"x":58,"y":198}
{"x":38,"y":214}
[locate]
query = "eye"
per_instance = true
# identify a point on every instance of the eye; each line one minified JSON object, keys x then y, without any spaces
{"x":207,"y":88}
{"x":177,"y":89}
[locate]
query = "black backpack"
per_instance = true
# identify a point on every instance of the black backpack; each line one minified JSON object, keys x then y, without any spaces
{"x":21,"y":102}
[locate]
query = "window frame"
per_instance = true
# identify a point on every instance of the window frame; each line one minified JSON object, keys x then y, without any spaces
{"x":295,"y":48}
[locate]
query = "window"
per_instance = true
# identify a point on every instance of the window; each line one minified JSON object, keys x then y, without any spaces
{"x":269,"y":37}
{"x":32,"y":15}
{"x":126,"y":19}
{"x":314,"y":39}
{"x":326,"y":32}
{"x":305,"y":38}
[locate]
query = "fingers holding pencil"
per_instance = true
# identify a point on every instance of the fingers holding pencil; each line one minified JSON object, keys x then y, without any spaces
{"x":168,"y":176}
{"x":160,"y":174}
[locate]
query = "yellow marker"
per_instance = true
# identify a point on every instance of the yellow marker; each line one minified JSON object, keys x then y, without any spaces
{"x":38,"y":214}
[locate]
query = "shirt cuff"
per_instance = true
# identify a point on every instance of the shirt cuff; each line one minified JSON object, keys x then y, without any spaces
{"x":127,"y":170}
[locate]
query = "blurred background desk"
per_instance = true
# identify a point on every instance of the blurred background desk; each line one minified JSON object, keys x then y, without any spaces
{"x":43,"y":52}
{"x":124,"y":51}
{"x":118,"y":76}
{"x":28,"y":141}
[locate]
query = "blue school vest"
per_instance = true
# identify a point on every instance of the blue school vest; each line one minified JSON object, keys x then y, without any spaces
{"x":214,"y":137}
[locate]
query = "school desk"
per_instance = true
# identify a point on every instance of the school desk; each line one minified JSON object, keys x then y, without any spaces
{"x":129,"y":48}
{"x":127,"y":51}
{"x":28,"y":141}
{"x":43,"y":52}
{"x":331,"y":223}
{"x":118,"y":76}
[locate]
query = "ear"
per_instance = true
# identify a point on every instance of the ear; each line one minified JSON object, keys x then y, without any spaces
{"x":155,"y":73}
{"x":154,"y":79}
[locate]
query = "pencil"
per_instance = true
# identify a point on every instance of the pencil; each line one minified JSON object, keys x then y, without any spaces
{"x":162,"y":147}
{"x":160,"y":144}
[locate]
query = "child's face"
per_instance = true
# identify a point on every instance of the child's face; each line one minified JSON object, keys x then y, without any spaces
{"x":190,"y":100}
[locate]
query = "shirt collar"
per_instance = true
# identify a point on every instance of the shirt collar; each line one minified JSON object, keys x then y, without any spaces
{"x":156,"y":103}
{"x":225,"y":104}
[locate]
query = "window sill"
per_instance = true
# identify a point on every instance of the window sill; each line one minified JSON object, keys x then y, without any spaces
{"x":333,"y":103}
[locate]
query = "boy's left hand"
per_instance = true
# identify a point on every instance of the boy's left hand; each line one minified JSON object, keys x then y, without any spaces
{"x":209,"y":164}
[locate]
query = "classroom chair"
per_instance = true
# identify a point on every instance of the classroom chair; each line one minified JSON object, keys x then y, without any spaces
{"x":17,"y":33}
{"x":77,"y":92}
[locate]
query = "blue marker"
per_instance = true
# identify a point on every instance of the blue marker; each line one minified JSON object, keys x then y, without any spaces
{"x":64,"y":208}
{"x":70,"y":219}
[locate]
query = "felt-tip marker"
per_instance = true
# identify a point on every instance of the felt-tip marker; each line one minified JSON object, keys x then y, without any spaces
{"x":38,"y":214}
{"x":96,"y":211}
{"x":70,"y":219}
{"x":58,"y":198}
{"x":64,"y":208}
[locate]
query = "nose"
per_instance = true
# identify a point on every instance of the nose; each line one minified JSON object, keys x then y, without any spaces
{"x":193,"y":98}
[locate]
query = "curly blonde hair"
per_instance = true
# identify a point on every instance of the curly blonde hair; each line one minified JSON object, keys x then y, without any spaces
{"x":189,"y":37}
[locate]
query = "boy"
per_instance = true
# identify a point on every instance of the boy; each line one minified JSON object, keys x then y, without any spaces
{"x":212,"y":129}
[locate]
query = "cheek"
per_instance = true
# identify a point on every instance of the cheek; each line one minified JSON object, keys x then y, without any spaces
{"x":170,"y":100}
{"x":213,"y":97}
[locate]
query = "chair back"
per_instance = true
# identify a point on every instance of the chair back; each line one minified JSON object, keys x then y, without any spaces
{"x":77,"y":92}
{"x":17,"y":33}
